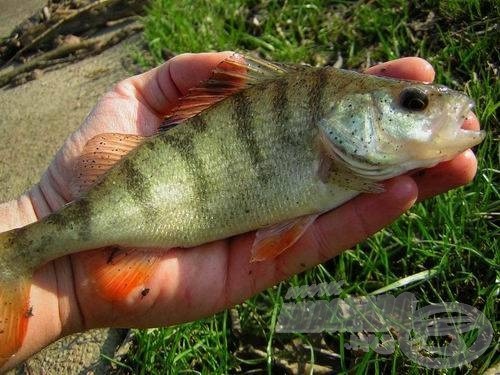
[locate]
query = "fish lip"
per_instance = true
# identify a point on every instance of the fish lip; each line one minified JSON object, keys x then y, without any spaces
{"x":451,"y":138}
{"x":466,"y":137}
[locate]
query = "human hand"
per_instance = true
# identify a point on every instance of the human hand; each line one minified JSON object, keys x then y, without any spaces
{"x":192,"y":283}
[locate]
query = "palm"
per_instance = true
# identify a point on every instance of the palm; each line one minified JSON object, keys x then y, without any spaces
{"x":191,"y":283}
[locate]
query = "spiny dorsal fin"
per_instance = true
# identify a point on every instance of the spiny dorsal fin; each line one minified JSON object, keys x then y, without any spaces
{"x":121,"y":275}
{"x":232,"y":75}
{"x":99,"y":155}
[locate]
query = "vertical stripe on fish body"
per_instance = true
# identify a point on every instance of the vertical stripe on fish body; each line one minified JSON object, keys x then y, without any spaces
{"x":248,"y":162}
{"x":295,"y":142}
{"x":245,"y":163}
{"x":258,"y":146}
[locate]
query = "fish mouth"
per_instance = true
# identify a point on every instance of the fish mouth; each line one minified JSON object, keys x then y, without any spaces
{"x":475,"y":136}
{"x":451,"y":139}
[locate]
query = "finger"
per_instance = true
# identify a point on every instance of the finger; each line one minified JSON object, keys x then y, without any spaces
{"x":412,"y":68}
{"x":160,"y":88}
{"x":446,"y":176}
{"x":358,"y":219}
{"x":333,"y":232}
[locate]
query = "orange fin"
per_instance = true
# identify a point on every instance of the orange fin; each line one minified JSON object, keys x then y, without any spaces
{"x":335,"y":169}
{"x":14,"y":316}
{"x":231,"y":76}
{"x":99,"y":155}
{"x":272,"y":241}
{"x":120,"y":275}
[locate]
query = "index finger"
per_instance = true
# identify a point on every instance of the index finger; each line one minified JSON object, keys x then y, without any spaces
{"x":410,"y":68}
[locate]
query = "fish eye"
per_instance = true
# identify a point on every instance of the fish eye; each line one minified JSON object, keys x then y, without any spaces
{"x":413,"y":99}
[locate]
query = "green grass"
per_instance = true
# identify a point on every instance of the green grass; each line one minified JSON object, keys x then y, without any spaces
{"x":454,"y":235}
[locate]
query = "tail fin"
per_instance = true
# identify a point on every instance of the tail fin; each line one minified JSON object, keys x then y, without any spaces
{"x":14,"y":315}
{"x":15,"y":283}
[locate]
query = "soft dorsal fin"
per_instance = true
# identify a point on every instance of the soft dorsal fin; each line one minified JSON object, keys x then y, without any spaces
{"x":99,"y":155}
{"x":232,"y":75}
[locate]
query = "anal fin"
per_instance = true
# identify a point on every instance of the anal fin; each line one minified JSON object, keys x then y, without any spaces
{"x":14,"y":316}
{"x":120,"y":275}
{"x":272,"y":241}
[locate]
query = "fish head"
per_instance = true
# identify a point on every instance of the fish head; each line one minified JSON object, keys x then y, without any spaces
{"x":400,"y":126}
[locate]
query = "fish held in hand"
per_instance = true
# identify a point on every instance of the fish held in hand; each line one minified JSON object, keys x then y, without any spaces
{"x":259,"y":146}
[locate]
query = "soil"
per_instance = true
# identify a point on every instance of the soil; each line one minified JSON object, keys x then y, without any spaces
{"x":38,"y":115}
{"x":14,"y":12}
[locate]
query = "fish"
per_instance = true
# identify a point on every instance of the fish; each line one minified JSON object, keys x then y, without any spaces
{"x":259,"y":146}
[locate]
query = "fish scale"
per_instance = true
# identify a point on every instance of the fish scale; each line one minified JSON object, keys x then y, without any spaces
{"x":258,"y":146}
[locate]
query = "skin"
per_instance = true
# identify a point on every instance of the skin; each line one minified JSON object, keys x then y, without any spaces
{"x":193,"y":283}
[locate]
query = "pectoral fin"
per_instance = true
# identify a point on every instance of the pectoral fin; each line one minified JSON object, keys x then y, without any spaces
{"x":335,"y":170}
{"x":272,"y":241}
{"x":120,"y":275}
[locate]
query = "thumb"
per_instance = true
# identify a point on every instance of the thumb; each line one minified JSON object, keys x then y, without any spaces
{"x":160,"y":88}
